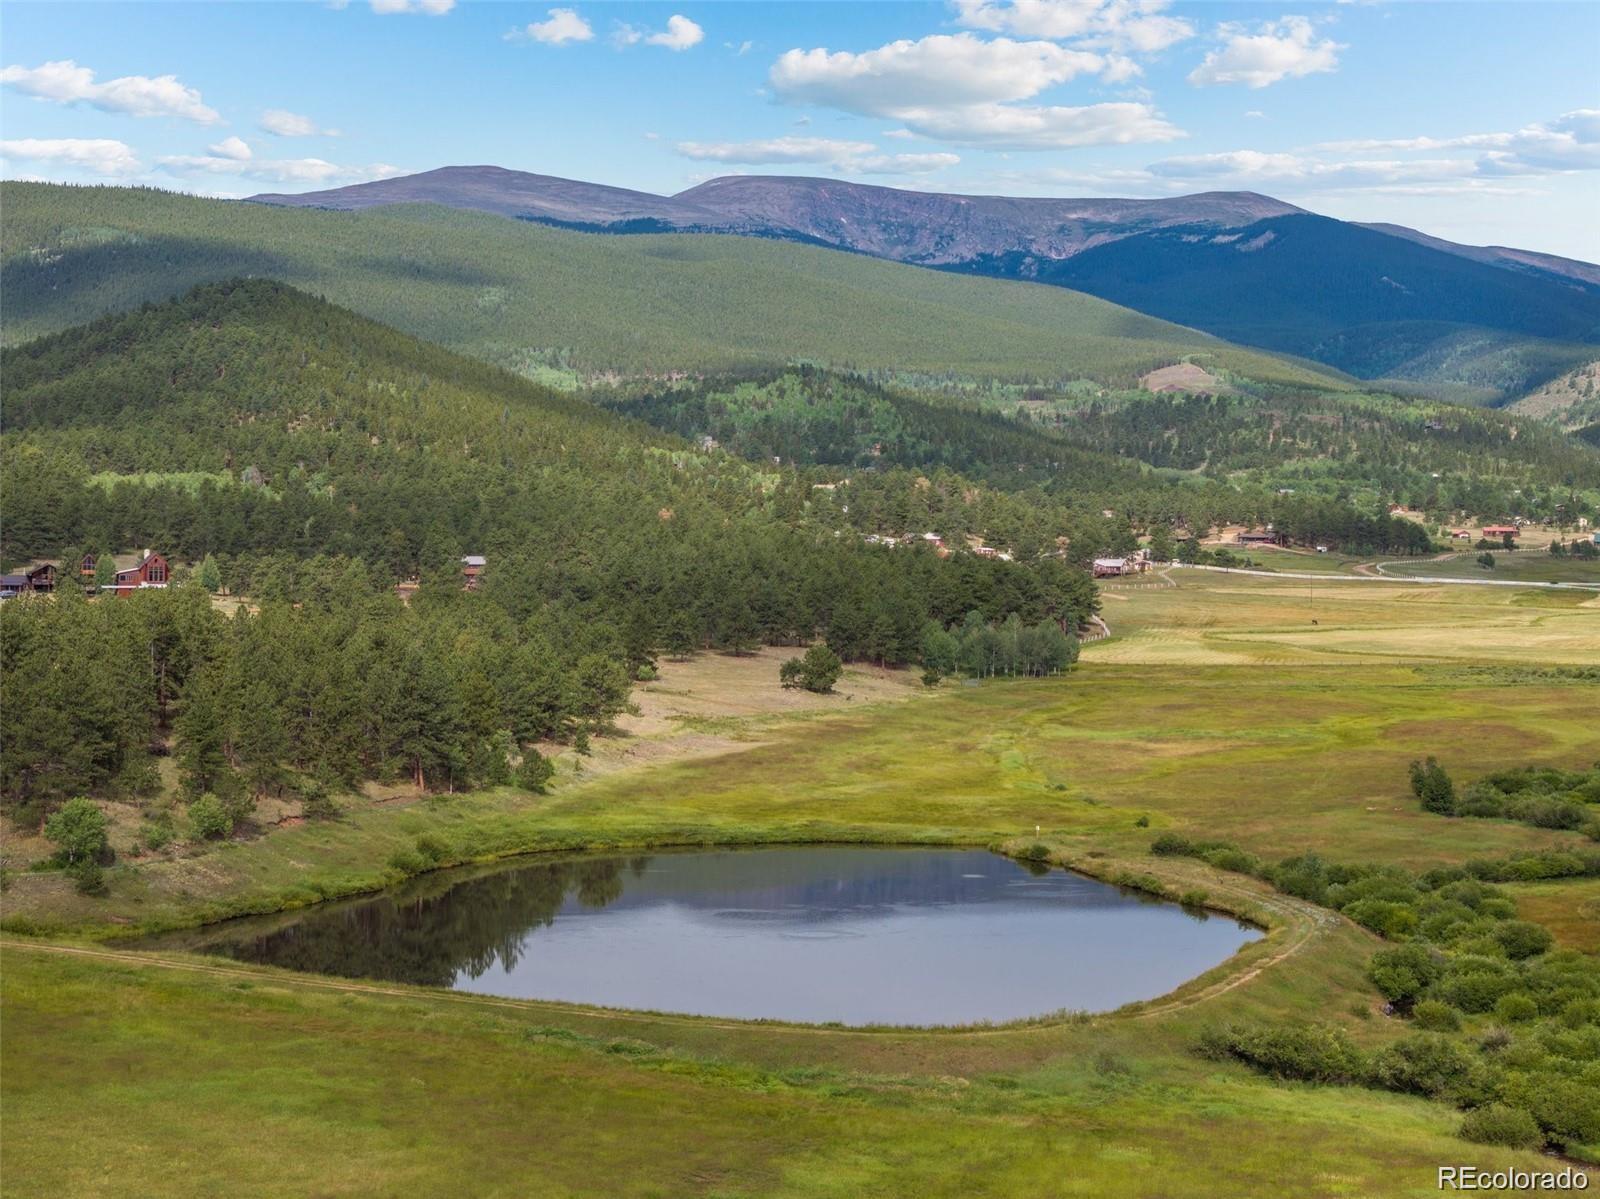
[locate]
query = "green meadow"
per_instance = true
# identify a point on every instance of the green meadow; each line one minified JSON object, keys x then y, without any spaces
{"x":1226,"y":707}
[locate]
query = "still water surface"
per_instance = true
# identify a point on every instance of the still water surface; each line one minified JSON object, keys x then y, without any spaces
{"x":816,"y":934}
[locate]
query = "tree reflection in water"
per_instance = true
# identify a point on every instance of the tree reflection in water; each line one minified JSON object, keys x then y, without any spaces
{"x":433,"y":928}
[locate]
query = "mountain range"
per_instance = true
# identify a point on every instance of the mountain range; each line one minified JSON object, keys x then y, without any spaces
{"x":1377,"y":301}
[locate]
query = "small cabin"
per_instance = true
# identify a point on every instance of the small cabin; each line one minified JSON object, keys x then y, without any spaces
{"x":1264,"y":538}
{"x":42,"y":577}
{"x":1110,"y":568}
{"x":1493,"y":531}
{"x":150,"y":570}
{"x":1460,"y":534}
{"x":472,"y":570}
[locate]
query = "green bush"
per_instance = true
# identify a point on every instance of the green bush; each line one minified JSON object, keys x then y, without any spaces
{"x":1236,"y":860}
{"x":407,"y":861}
{"x":78,"y":830}
{"x":1194,"y":899}
{"x":1404,"y":972}
{"x":210,"y":818}
{"x":1498,"y":1124}
{"x":1312,"y":1052}
{"x":1434,"y":1016}
{"x":157,"y":831}
{"x":1523,"y":938}
{"x":1172,"y":845}
{"x":432,"y":849}
{"x":87,"y":877}
{"x":818,"y":669}
{"x":1515,"y":1008}
{"x":1427,"y":1063}
{"x":535,"y":772}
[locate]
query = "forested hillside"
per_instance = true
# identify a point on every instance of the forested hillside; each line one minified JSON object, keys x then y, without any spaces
{"x":317,"y":457}
{"x":566,"y":306}
{"x":1220,"y":459}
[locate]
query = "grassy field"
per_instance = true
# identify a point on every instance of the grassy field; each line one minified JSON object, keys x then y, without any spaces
{"x":1526,"y":566}
{"x":1569,"y":908}
{"x":1217,"y":709}
{"x":558,"y":305}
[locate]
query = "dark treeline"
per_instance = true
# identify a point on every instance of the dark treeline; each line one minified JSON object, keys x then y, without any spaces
{"x":811,"y":416}
{"x":319,"y":458}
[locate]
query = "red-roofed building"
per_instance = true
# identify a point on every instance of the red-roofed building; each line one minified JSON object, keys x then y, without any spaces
{"x":151,"y":570}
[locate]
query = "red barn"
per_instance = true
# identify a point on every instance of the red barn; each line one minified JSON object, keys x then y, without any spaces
{"x":150,"y":571}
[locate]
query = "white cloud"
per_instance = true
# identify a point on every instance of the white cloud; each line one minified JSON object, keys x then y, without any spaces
{"x":432,"y":8}
{"x":777,"y":149}
{"x":1571,"y":142}
{"x":1288,"y":48}
{"x":964,"y":89}
{"x":1254,"y":168}
{"x":97,"y":155}
{"x":1028,"y":127}
{"x":847,"y":156}
{"x":562,"y":25}
{"x":903,"y":164}
{"x":940,"y":71}
{"x":65,"y":82}
{"x":1132,"y":25}
{"x":232,"y":147}
{"x":226,"y":158}
{"x":1255,"y":114}
{"x":680,"y":34}
{"x":281,"y":123}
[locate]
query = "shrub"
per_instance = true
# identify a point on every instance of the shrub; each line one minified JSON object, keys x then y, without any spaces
{"x":1401,"y":974}
{"x":432,"y":849}
{"x":818,"y":669}
{"x":535,"y":772}
{"x":87,"y":877}
{"x":1473,"y":990}
{"x":209,"y":817}
{"x":1236,"y":860}
{"x":1172,"y":845}
{"x":1426,"y":1063}
{"x":1312,"y":1052}
{"x":1383,"y":917}
{"x":407,"y":861}
{"x":1037,"y":852}
{"x":79,"y":831}
{"x":1498,"y":1124}
{"x":1515,"y":1008}
{"x":1194,"y":899}
{"x":157,"y":831}
{"x":1523,"y":938}
{"x":1434,"y":1016}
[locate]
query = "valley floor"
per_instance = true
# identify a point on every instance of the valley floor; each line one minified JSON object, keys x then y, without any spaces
{"x":1228,"y":707}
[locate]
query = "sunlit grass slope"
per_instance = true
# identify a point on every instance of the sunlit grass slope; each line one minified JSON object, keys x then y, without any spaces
{"x":576,"y":304}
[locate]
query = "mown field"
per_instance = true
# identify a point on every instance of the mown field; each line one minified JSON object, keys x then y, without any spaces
{"x":560,"y":306}
{"x":1218,"y":709}
{"x":1530,"y":566}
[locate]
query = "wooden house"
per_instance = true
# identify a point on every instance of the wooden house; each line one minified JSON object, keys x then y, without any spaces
{"x":472,"y":571}
{"x":149,"y":570}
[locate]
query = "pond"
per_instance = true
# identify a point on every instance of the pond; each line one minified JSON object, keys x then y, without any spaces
{"x":817,"y":934}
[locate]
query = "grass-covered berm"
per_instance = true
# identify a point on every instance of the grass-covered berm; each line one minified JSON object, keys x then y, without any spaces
{"x":1218,"y":711}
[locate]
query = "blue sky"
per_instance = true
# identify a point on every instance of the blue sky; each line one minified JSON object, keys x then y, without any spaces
{"x":1474,"y":121}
